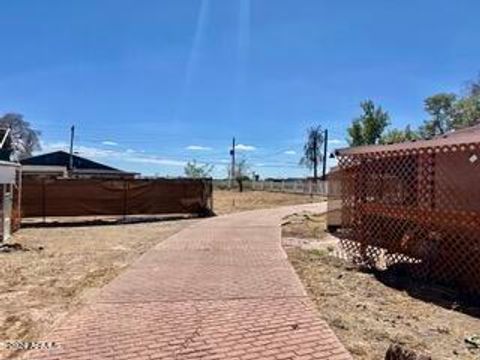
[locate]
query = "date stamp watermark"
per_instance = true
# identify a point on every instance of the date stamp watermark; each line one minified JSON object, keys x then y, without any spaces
{"x":28,"y":345}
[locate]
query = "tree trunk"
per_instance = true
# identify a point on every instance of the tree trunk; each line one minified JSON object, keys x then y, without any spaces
{"x":240,"y":185}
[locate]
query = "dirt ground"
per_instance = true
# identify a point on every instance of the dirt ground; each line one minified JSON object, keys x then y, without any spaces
{"x":225,"y":202}
{"x":368,"y":313}
{"x":62,"y":267}
{"x":65,"y":264}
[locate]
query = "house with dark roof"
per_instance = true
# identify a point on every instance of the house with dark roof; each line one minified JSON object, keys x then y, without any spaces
{"x":58,"y":163}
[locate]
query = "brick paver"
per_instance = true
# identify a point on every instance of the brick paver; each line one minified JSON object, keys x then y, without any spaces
{"x":221,"y":289}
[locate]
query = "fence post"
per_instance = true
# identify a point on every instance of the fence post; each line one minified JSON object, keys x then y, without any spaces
{"x":125,"y":195}
{"x":211,"y":195}
{"x":44,"y":201}
{"x":18,"y":215}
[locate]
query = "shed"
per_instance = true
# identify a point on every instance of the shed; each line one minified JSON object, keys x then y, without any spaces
{"x":416,"y":204}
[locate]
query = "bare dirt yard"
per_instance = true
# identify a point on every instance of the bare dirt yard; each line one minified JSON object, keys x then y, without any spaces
{"x":65,"y":264}
{"x":369,"y":311}
{"x":225,"y":202}
{"x":62,"y":266}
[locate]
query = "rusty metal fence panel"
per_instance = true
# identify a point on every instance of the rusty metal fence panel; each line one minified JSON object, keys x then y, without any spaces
{"x":417,"y":208}
{"x":96,"y":197}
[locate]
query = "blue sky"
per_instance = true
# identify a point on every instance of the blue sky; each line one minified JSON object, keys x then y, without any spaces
{"x":153,"y":84}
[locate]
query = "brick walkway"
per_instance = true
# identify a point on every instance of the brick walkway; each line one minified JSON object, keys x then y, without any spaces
{"x":221,"y":289}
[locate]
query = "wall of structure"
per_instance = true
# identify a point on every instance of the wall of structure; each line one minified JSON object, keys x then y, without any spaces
{"x":418,"y":208}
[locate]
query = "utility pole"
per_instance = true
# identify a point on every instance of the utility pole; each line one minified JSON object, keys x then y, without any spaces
{"x":325,"y":155}
{"x":72,"y":137}
{"x":232,"y":171}
{"x":315,"y":158}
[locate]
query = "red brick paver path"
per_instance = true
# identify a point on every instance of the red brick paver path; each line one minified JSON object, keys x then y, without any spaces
{"x":221,"y":289}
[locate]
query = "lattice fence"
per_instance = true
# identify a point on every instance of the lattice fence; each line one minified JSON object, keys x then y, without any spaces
{"x":419,"y":207}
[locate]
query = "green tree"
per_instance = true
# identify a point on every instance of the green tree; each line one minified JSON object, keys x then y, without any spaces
{"x":467,"y":108}
{"x":467,"y":112}
{"x":441,"y":108}
{"x":196,"y":170}
{"x":312,"y":150}
{"x":355,"y":134}
{"x":23,"y":139}
{"x":394,"y":136}
{"x":369,"y":127}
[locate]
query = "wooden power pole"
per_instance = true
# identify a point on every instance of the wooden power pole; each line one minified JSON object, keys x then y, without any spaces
{"x":315,"y":159}
{"x":72,"y":137}
{"x":325,"y":155}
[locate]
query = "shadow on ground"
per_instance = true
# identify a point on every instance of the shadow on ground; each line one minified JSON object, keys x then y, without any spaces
{"x":82,"y":222}
{"x":436,"y":293}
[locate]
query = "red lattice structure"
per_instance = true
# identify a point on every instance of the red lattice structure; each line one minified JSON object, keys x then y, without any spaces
{"x":417,"y":204}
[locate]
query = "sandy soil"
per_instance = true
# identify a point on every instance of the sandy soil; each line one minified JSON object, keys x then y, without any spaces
{"x":62,"y":267}
{"x":66,"y":264}
{"x":370,"y":311}
{"x":225,"y":202}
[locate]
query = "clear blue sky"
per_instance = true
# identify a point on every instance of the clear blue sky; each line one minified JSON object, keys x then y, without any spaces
{"x":152,"y":84}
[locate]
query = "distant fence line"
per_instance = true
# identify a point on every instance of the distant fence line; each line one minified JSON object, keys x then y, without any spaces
{"x":92,"y":197}
{"x":306,"y":186}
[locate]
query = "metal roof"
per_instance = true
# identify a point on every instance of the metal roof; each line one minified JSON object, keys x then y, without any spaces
{"x":464,"y":136}
{"x":62,"y":158}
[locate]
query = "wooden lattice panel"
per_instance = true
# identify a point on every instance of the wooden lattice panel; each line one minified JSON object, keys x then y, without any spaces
{"x":417,"y":207}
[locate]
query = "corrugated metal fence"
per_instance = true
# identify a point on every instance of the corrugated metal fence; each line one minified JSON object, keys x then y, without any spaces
{"x":95,"y":197}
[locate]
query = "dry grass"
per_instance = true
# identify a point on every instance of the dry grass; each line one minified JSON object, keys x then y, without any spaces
{"x":64,"y":265}
{"x":225,"y":202}
{"x":368,"y":314}
{"x":308,"y":231}
{"x":305,"y":225}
